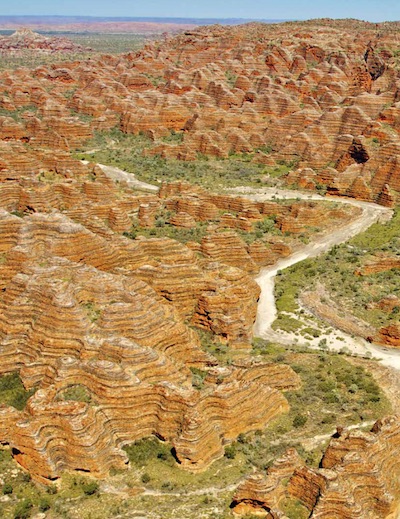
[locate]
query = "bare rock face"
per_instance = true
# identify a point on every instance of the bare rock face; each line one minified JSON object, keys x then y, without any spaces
{"x":358,"y":478}
{"x":261,"y":494}
{"x":389,"y":335}
{"x":378,"y":264}
{"x":85,"y":307}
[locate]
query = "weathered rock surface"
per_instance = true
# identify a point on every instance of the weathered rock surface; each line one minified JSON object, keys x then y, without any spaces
{"x":85,"y":307}
{"x":326,"y":105}
{"x":358,"y":478}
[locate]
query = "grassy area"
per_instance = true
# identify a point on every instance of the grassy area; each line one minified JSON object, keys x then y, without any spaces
{"x":12,"y":391}
{"x":76,"y":393}
{"x":98,"y":44}
{"x":160,"y":471}
{"x":16,"y":114}
{"x":163,"y":230}
{"x":336,"y":270}
{"x":291,"y":281}
{"x":126,"y":152}
{"x":334,"y":392}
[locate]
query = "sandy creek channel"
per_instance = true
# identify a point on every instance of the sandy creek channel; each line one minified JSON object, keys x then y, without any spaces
{"x":267,"y":312}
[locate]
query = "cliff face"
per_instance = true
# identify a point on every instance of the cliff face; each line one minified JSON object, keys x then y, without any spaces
{"x":358,"y":478}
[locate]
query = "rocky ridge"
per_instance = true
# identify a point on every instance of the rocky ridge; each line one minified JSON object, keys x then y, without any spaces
{"x":357,"y":478}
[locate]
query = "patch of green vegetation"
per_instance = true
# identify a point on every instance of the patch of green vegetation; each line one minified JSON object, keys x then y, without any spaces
{"x":18,"y":213}
{"x":231,"y":78}
{"x":266,"y":148}
{"x":333,"y":392}
{"x":126,"y":152}
{"x":23,"y":509}
{"x":291,"y":281}
{"x":12,"y":391}
{"x":308,"y":330}
{"x":163,"y":230}
{"x":211,"y":344}
{"x":293,"y":509}
{"x":286,"y":323}
{"x":49,"y":177}
{"x":161,"y":471}
{"x":85,"y":118}
{"x":337,"y":271}
{"x":92,"y":310}
{"x":76,"y":393}
{"x":155,"y":80}
{"x":174,"y":137}
{"x":380,"y":235}
{"x":16,"y":114}
{"x":279,"y":171}
{"x":146,"y":450}
{"x":198,"y":376}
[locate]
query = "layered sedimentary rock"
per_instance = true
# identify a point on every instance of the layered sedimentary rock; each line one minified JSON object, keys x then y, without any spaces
{"x":85,"y":308}
{"x":379,"y":264}
{"x":358,"y":478}
{"x":326,"y":105}
{"x":93,"y":322}
{"x":260,"y":494}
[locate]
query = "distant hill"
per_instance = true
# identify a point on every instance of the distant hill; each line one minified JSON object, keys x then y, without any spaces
{"x":91,"y":24}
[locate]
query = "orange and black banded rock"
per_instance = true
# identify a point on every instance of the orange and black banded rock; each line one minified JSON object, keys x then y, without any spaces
{"x":357,"y":478}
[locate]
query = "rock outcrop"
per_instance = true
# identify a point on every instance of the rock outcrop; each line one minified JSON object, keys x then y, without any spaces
{"x":358,"y":478}
{"x":327,"y":108}
{"x":87,"y":309}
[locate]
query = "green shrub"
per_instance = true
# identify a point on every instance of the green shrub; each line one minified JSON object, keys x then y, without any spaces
{"x":12,"y":391}
{"x":147,"y":449}
{"x":77,"y":393}
{"x":52,"y":489}
{"x":299,"y":420}
{"x":198,"y":376}
{"x":23,"y":509}
{"x":145,"y":478}
{"x":230,"y":452}
{"x":7,"y":489}
{"x":44,"y":504}
{"x":90,"y":487}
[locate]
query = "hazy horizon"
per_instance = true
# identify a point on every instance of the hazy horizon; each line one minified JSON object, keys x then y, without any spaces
{"x":368,"y":10}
